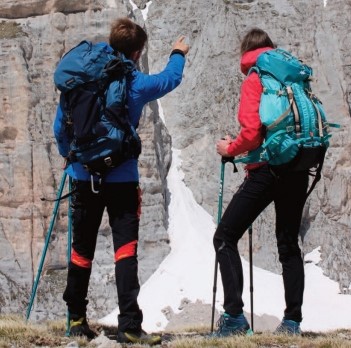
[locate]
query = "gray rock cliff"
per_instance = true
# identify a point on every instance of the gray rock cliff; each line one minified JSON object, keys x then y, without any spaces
{"x":33,"y":36}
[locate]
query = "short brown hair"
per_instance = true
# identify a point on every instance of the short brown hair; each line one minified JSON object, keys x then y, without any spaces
{"x":127,"y":37}
{"x":255,"y":38}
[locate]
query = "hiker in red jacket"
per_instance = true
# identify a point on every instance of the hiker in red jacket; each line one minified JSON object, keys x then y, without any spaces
{"x":261,"y":186}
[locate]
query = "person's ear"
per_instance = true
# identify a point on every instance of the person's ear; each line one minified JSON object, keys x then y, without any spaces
{"x":135,"y":56}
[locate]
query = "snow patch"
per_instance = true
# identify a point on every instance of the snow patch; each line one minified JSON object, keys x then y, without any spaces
{"x":111,"y":3}
{"x":314,"y":256}
{"x":144,"y":12}
{"x":160,"y":111}
{"x":187,"y":272}
{"x":134,"y":7}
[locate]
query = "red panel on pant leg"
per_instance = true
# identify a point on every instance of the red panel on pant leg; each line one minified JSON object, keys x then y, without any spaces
{"x":126,"y":250}
{"x":79,"y":260}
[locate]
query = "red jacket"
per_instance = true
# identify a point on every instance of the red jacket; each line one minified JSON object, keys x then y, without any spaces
{"x":251,"y":132}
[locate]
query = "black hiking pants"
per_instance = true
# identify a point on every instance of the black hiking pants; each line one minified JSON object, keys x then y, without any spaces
{"x":259,"y":189}
{"x":122,"y":201}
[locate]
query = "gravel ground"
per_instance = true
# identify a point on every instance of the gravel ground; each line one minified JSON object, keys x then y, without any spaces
{"x":198,"y":315}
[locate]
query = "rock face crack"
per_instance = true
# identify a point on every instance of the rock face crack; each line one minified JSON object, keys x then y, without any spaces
{"x":32,"y":8}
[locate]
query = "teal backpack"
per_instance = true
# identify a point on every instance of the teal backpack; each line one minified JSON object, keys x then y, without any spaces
{"x":297,"y":132}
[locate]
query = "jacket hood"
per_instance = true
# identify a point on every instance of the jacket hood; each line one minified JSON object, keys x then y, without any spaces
{"x":248,"y":59}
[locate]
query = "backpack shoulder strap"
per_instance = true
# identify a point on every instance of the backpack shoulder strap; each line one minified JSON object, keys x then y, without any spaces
{"x":118,"y":67}
{"x":254,"y":69}
{"x":317,"y":175}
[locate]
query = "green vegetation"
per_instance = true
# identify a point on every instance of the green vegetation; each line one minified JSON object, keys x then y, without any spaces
{"x":267,"y":340}
{"x":15,"y":332}
{"x":10,"y":30}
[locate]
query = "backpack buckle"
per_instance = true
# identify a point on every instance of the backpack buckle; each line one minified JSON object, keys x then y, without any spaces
{"x":92,"y":184}
{"x":108,"y":161}
{"x":263,"y":155}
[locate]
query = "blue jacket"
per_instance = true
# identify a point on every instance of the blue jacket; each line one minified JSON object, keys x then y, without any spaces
{"x":141,"y":89}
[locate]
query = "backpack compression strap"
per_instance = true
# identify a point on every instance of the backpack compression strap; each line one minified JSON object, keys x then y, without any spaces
{"x":287,"y":111}
{"x":317,"y":175}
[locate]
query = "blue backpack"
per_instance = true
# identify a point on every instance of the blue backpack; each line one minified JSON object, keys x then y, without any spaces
{"x":102,"y":138}
{"x":297,"y":132}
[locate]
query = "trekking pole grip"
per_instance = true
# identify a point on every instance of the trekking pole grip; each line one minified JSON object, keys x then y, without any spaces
{"x":231,"y":160}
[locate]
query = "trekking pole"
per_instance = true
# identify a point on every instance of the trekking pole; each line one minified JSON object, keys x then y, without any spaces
{"x":69,"y":229}
{"x":224,"y":160}
{"x":251,"y":277}
{"x":47,"y":239}
{"x":69,"y":247}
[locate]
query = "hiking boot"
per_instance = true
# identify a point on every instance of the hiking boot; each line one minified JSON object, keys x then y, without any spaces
{"x":288,"y":327}
{"x":229,"y":325}
{"x":80,"y":327}
{"x":140,"y":337}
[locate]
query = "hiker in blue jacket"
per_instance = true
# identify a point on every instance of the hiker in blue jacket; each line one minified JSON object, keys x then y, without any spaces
{"x":119,"y":192}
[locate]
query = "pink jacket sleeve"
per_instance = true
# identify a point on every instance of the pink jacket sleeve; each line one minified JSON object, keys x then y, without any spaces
{"x":251,"y":135}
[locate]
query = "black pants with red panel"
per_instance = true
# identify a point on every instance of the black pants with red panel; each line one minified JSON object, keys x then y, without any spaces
{"x":122,"y":201}
{"x":259,"y":189}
